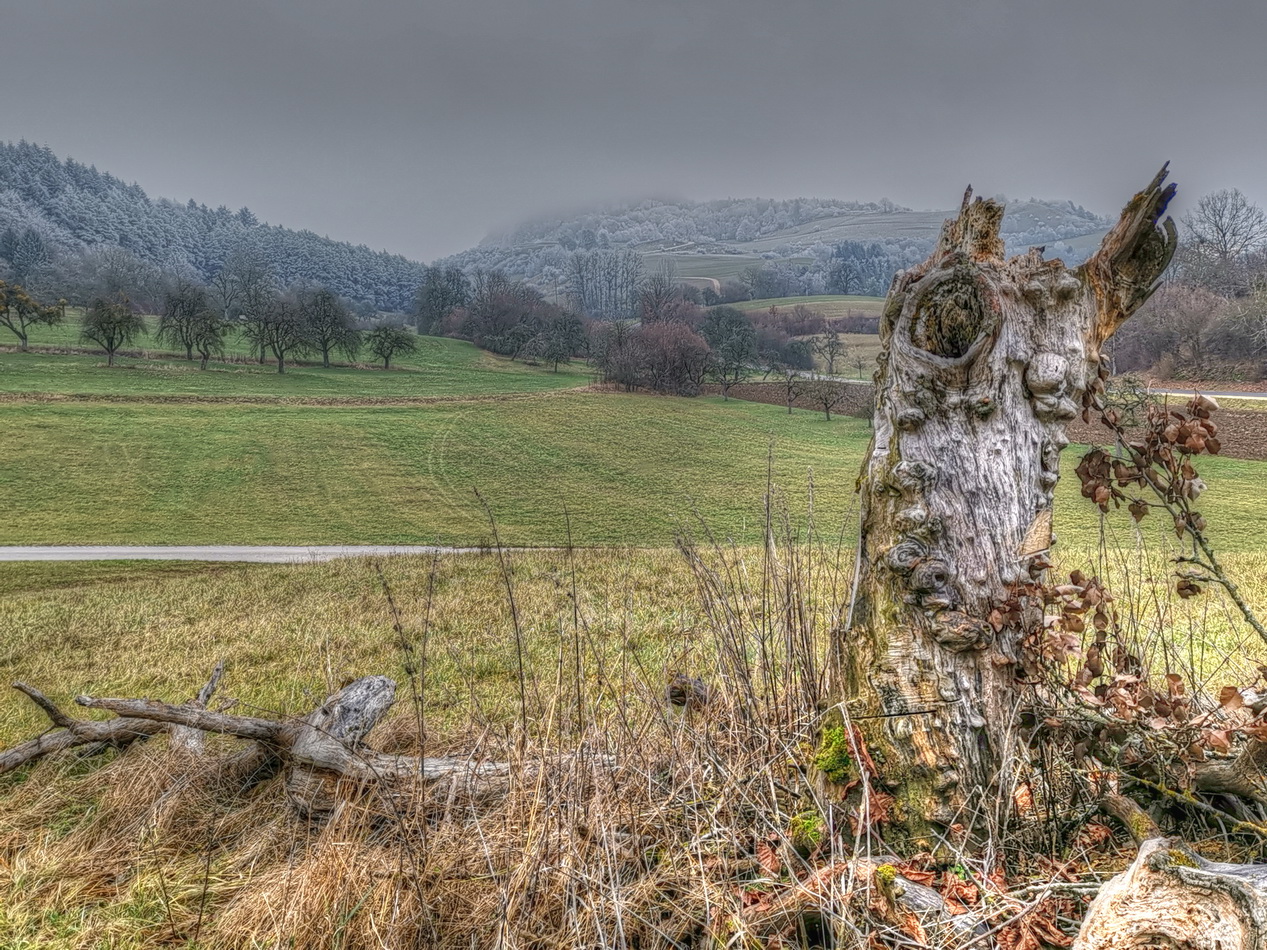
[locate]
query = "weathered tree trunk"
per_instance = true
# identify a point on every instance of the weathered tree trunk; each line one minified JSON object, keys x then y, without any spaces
{"x":984,"y":361}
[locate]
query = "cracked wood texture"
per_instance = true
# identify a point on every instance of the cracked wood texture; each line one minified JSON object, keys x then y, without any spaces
{"x":984,"y":361}
{"x":1173,"y":897}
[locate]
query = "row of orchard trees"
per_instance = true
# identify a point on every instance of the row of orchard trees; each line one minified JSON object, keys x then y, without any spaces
{"x":284,"y":325}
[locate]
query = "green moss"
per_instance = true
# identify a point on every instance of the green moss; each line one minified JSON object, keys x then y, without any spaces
{"x":1180,"y":858}
{"x":833,"y":759}
{"x":805,"y":832}
{"x":1140,"y":826}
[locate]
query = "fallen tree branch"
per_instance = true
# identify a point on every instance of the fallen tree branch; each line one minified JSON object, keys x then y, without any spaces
{"x":1137,"y":822}
{"x":1191,"y":800}
{"x":320,"y":750}
{"x":111,"y":733}
{"x":1240,"y":775}
{"x":191,"y":740}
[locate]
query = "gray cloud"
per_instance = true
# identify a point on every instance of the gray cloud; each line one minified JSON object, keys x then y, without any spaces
{"x":419,"y":126}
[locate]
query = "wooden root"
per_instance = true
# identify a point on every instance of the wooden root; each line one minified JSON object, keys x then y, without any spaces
{"x":1172,"y":897}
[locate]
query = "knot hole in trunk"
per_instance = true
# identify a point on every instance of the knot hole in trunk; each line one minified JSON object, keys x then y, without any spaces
{"x":950,"y":317}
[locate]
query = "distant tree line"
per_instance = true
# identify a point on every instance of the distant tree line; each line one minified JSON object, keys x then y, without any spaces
{"x":505,"y":316}
{"x":64,"y":224}
{"x":657,"y":335}
{"x":544,"y":252}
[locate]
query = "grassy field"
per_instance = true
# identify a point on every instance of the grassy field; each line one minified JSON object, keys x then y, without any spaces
{"x":719,"y":267}
{"x":440,"y":367}
{"x":146,"y":848}
{"x":157,"y":848}
{"x":291,"y":633}
{"x":860,"y":346}
{"x":625,"y":469}
{"x":628,"y":469}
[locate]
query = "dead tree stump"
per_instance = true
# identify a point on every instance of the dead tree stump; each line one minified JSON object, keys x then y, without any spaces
{"x":984,"y":361}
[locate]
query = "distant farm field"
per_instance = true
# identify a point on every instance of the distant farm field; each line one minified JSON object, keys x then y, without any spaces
{"x":625,"y":469}
{"x":829,"y":305}
{"x":157,"y":452}
{"x":704,"y":267}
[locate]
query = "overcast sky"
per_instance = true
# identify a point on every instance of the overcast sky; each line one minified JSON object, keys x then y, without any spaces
{"x":420,"y":126}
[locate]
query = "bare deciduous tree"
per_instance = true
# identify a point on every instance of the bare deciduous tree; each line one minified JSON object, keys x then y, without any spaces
{"x":795,"y":384}
{"x":19,"y":312}
{"x":111,"y":324}
{"x":184,"y":307}
{"x":1226,"y":224}
{"x":330,"y":325}
{"x":826,"y":393}
{"x":831,"y":346}
{"x":283,"y":332}
{"x":389,"y":340}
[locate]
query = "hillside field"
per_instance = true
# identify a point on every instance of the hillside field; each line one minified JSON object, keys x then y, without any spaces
{"x":829,"y":305}
{"x":546,"y":642}
{"x":694,"y":268}
{"x":621,"y":469}
{"x":441,"y":367}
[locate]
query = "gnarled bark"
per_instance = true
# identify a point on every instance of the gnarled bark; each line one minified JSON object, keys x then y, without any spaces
{"x":984,"y":361}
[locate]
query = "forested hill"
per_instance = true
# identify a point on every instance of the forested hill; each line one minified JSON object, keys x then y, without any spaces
{"x":63,"y":224}
{"x":812,"y":245}
{"x":52,"y":212}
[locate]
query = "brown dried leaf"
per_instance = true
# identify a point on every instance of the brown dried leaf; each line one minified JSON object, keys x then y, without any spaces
{"x":1230,"y":698}
{"x":768,"y":857}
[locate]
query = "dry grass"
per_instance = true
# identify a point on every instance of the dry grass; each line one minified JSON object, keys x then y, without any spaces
{"x":151,"y":848}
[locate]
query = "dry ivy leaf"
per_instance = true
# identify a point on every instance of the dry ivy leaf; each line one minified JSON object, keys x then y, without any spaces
{"x":768,"y":858}
{"x":1230,"y":698}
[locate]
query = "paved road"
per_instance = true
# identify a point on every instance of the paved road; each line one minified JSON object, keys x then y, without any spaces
{"x":267,"y":554}
{"x":1208,"y":392}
